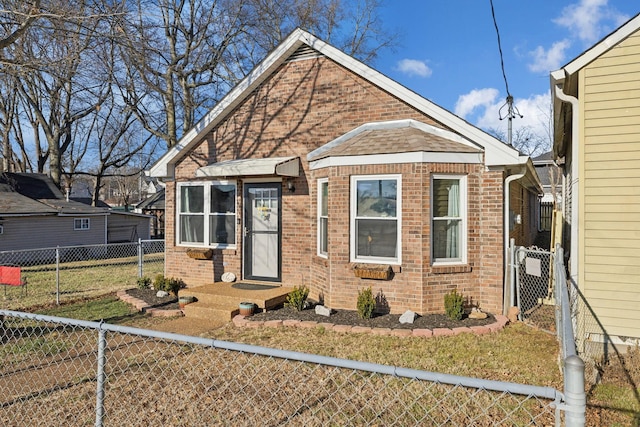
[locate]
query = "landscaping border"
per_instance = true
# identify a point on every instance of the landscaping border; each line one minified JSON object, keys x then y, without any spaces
{"x":241,"y":321}
{"x":501,"y":321}
{"x":142,"y":306}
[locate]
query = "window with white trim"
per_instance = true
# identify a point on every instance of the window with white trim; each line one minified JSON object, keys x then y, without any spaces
{"x":81,"y":224}
{"x":448,"y":219}
{"x":206,"y":214}
{"x":323,"y":217}
{"x":375,"y":218}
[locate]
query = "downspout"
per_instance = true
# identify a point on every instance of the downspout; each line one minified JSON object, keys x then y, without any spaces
{"x":508,"y":283}
{"x":573,"y":256}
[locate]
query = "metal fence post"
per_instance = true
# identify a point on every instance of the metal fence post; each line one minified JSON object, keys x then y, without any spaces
{"x":574,"y":394}
{"x":140,"y":257}
{"x":100,"y":377}
{"x":57,"y":275}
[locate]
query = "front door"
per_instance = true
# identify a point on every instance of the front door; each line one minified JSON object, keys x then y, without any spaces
{"x":262,"y":231}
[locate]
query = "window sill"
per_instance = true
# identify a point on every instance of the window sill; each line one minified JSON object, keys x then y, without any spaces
{"x":449,"y":269}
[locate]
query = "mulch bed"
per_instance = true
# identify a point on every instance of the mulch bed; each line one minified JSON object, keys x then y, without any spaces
{"x":348,"y":317}
{"x":149,"y":296}
{"x":338,"y":317}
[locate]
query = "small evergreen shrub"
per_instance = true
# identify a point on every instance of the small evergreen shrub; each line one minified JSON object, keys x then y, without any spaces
{"x":158,"y":282}
{"x":366,"y":303}
{"x":454,"y":305}
{"x":173,"y":285}
{"x":297,"y":297}
{"x":144,"y":282}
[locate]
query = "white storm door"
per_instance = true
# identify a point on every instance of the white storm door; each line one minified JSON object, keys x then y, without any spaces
{"x":262,"y":231}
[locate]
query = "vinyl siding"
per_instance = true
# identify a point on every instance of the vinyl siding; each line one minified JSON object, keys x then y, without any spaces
{"x":127,"y":228}
{"x":35,"y":232}
{"x":609,"y":225}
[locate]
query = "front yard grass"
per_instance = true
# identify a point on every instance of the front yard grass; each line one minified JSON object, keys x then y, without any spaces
{"x":518,"y":354}
{"x":79,"y":280}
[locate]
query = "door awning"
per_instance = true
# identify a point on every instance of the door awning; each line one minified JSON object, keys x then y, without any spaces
{"x":283,"y":166}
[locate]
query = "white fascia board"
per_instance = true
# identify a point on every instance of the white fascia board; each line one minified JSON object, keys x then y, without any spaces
{"x":164,"y":166}
{"x":497,"y":153}
{"x":601,"y":47}
{"x":396,"y":158}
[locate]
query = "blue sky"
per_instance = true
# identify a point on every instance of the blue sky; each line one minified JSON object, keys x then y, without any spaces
{"x":448,"y":51}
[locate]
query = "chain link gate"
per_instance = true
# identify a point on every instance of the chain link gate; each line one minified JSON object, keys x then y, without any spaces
{"x":534,"y":286}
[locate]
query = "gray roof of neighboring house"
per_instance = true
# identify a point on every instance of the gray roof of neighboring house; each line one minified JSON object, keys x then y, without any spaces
{"x":89,"y":201}
{"x":36,"y":194}
{"x":155,"y":201}
{"x":544,"y":157}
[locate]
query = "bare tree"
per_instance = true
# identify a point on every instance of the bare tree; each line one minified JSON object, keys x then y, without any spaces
{"x":183,"y":57}
{"x":63,"y":93}
{"x":16,"y":17}
{"x":525,"y":140}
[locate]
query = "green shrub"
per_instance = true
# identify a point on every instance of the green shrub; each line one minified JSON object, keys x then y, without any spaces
{"x":144,"y":282}
{"x":173,"y":285}
{"x":454,"y":305}
{"x":297,"y":297}
{"x":366,"y":303}
{"x":159,"y":282}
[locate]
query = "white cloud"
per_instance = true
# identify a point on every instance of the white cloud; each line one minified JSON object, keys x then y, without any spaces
{"x":414,"y":67}
{"x":535,"y":112}
{"x":474,"y":100}
{"x":549,"y":60}
{"x":589,"y":20}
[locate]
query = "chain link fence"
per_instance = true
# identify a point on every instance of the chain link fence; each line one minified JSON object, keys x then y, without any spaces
{"x":544,"y":293}
{"x":534,"y":287}
{"x":74,"y":272}
{"x":56,"y":371}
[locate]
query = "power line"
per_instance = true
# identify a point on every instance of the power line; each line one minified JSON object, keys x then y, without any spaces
{"x":512,"y":111}
{"x":495,"y":24}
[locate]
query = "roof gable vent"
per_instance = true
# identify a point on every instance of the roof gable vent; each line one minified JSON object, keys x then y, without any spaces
{"x":304,"y":52}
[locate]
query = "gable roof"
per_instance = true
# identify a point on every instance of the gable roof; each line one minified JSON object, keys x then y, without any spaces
{"x":565,"y":82}
{"x":497,"y":153}
{"x":36,"y":194}
{"x":155,"y":201}
{"x":589,"y":55}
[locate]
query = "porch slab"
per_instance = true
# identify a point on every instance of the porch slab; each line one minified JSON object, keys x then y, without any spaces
{"x":220,"y":300}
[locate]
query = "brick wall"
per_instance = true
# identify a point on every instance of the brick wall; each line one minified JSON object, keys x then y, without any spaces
{"x":302,"y":106}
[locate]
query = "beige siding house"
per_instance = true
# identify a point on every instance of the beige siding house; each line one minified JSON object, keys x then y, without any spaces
{"x":597,"y":133}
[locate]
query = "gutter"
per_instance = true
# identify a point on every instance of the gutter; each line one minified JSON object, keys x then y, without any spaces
{"x":558,"y":91}
{"x":508,"y":283}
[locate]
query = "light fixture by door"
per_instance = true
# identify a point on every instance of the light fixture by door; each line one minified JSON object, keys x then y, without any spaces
{"x":290,"y":186}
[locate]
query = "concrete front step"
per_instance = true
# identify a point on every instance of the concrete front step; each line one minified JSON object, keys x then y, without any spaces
{"x":213,"y":312}
{"x":220,"y":301}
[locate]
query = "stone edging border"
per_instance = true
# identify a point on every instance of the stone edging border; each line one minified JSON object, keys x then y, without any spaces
{"x":501,"y":321}
{"x":142,"y":306}
{"x":241,"y":321}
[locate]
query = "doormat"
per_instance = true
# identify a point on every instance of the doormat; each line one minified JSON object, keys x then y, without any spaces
{"x":252,"y":286}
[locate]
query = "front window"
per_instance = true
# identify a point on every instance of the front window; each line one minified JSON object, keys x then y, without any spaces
{"x":375,"y":218}
{"x":207,"y":214}
{"x":448,"y":229}
{"x":323,"y":216}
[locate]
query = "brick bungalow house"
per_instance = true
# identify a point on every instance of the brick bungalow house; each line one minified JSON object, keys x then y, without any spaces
{"x":318,"y":170}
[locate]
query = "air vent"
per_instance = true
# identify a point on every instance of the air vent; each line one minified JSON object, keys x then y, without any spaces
{"x":304,"y":52}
